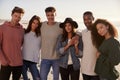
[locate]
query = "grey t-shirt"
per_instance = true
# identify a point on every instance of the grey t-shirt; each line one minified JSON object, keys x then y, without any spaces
{"x":49,"y":34}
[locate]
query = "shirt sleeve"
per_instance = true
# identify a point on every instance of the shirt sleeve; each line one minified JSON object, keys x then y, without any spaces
{"x":80,"y":46}
{"x":114,"y":53}
{"x":2,"y":57}
{"x":60,"y":46}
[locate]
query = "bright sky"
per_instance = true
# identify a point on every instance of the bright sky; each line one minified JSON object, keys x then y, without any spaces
{"x":108,"y":9}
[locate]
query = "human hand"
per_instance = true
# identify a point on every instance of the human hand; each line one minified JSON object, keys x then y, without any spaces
{"x":76,"y":42}
{"x":76,"y":39}
{"x":97,"y":54}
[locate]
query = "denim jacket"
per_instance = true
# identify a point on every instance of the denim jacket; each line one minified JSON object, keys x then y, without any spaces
{"x":71,"y":50}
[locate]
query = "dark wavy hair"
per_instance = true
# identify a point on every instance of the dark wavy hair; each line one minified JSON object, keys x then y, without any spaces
{"x":96,"y":38}
{"x":37,"y":30}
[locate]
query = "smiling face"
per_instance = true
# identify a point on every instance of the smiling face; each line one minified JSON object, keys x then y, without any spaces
{"x":88,"y":20}
{"x":68,"y":28}
{"x":50,"y":16}
{"x":16,"y":17}
{"x":34,"y":25}
{"x":102,"y":29}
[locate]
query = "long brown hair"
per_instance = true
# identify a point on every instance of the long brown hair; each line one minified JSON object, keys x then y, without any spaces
{"x":97,"y":39}
{"x":37,"y":30}
{"x":73,"y":25}
{"x":65,"y":34}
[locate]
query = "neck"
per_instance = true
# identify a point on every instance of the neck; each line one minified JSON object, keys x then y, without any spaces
{"x":69,"y":35}
{"x":13,"y":23}
{"x":50,"y":23}
{"x":89,"y":28}
{"x":33,"y":30}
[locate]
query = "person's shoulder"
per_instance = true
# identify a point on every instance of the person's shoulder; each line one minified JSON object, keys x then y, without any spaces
{"x":44,"y":22}
{"x":6,"y":23}
{"x":60,"y":36}
{"x":116,"y":40}
{"x":58,"y":22}
{"x":3,"y":26}
{"x":20,"y":26}
{"x":84,"y":30}
{"x":112,"y":41}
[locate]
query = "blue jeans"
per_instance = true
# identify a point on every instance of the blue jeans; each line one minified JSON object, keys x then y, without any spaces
{"x":45,"y":68}
{"x":33,"y":69}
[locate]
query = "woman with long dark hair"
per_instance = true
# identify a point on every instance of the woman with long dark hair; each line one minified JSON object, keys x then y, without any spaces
{"x":69,"y":48}
{"x":104,"y":36}
{"x":31,"y":48}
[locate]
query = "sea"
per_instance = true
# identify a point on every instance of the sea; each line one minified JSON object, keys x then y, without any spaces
{"x":81,"y":27}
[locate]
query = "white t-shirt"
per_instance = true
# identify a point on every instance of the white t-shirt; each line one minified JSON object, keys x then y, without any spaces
{"x":69,"y":57}
{"x":88,"y":60}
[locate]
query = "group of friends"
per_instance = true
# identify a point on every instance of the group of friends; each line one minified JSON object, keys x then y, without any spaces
{"x":95,"y":50}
